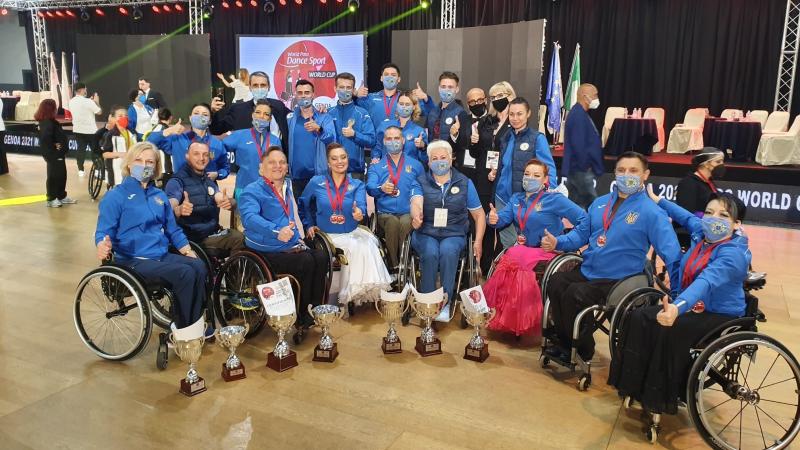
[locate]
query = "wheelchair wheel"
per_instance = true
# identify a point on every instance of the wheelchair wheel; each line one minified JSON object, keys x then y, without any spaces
{"x":97,"y":176}
{"x":161,"y":306}
{"x":235,"y":297}
{"x":112,"y":313}
{"x":632,"y":301}
{"x":743,"y":392}
{"x":495,"y":262}
{"x":564,"y":262}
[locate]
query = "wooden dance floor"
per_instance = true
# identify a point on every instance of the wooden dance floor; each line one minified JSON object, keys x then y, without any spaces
{"x":55,"y":393}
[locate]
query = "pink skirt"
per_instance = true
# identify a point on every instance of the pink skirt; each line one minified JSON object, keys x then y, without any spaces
{"x":514,"y":292}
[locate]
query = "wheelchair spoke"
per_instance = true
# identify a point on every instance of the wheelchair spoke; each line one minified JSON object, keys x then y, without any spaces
{"x":768,"y":371}
{"x":777,"y":382}
{"x":775,"y":401}
{"x":718,"y":404}
{"x":773,"y":419}
{"x":114,"y":322}
{"x":758,"y":418}
{"x":734,"y":417}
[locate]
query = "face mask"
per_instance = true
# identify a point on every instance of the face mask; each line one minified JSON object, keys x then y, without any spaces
{"x":259,"y":93}
{"x":389,"y":82}
{"x":261,"y":124}
{"x":344,"y":96}
{"x":440,"y":167}
{"x":718,"y":172}
{"x":629,"y":184}
{"x":142,"y":173}
{"x":477,"y":110}
{"x":715,"y":228}
{"x":143,"y":99}
{"x":304,"y":102}
{"x":447,"y":95}
{"x":199,"y":122}
{"x":122,"y":122}
{"x":594,"y":104}
{"x":393,"y":147}
{"x":405,"y":111}
{"x":500,"y":104}
{"x":531,"y":184}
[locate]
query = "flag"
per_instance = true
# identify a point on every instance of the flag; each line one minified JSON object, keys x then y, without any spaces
{"x":54,"y":80}
{"x":74,"y":70}
{"x":555,"y":97}
{"x":66,"y":89}
{"x":574,"y":79}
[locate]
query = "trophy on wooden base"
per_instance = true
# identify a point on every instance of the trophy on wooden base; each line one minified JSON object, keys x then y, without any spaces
{"x":391,"y":307}
{"x":282,"y":357}
{"x":325,"y":316}
{"x":427,"y":307}
{"x":231,"y":337}
{"x":477,"y":349}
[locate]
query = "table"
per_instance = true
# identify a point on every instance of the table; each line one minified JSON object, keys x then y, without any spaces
{"x":9,"y":106}
{"x":740,"y":136}
{"x":639,"y":135}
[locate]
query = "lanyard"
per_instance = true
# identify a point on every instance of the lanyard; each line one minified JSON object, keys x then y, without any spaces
{"x":284,"y":202}
{"x":258,"y":143}
{"x":395,"y":177}
{"x":388,"y":108}
{"x":127,"y":137}
{"x":708,"y":182}
{"x":606,"y":219}
{"x":523,"y":221}
{"x":337,"y":202}
{"x":698,"y":260}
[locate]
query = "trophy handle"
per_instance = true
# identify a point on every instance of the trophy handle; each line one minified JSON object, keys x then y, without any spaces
{"x":171,"y":339}
{"x":246,"y":328}
{"x":411,"y":302}
{"x":377,"y":308}
{"x":342,"y":310}
{"x":310,"y":311}
{"x":408,"y":305}
{"x":492,"y":313}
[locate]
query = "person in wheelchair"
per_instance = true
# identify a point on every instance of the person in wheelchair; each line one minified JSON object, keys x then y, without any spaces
{"x":513,"y":289}
{"x":136,"y":224}
{"x":390,"y":182}
{"x":196,"y":200}
{"x":441,"y":220}
{"x":335,"y":204}
{"x":621,"y":228}
{"x":653,"y":362}
{"x":267,"y":208}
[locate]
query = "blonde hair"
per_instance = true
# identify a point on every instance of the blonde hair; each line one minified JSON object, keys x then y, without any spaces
{"x":417,"y":110}
{"x":134,"y":152}
{"x":244,"y":75}
{"x":502,"y":87}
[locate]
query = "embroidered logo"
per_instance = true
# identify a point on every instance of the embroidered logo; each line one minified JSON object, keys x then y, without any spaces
{"x":630,"y":219}
{"x":210,"y":190}
{"x":159,"y":201}
{"x":130,"y":197}
{"x":524,"y":146}
{"x":408,"y":169}
{"x":455,"y":190}
{"x":538,"y":207}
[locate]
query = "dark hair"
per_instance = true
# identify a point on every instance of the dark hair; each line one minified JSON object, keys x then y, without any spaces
{"x":521,"y":101}
{"x":304,"y":83}
{"x":536,"y":162}
{"x":634,"y":155}
{"x":270,"y":149}
{"x":450,"y":76}
{"x":79,"y":86}
{"x":142,"y":78}
{"x":164,"y":114}
{"x":735,"y":206}
{"x":390,"y":65}
{"x":261,"y":74}
{"x":395,"y":127}
{"x":46,"y":110}
{"x":344,"y":76}
{"x":204,"y":105}
{"x":263,"y":101}
{"x":133,"y":95}
{"x":331,"y":147}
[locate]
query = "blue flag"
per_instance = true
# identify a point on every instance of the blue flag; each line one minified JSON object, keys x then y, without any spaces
{"x":555,"y":96}
{"x":74,"y":70}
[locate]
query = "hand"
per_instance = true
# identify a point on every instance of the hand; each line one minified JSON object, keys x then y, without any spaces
{"x":455,"y":127}
{"x":286,"y":233}
{"x":178,"y":128}
{"x":362,"y":90}
{"x":217,"y":104}
{"x":186,"y":207}
{"x":548,"y":241}
{"x":652,"y":195}
{"x":104,"y":249}
{"x":357,"y":214}
{"x":667,"y":316}
{"x":375,"y":161}
{"x":222,"y":200}
{"x":322,"y":108}
{"x":493,"y":217}
{"x":419,"y":142}
{"x":388,"y":187}
{"x":474,"y":138}
{"x":212,"y":175}
{"x":96,"y":98}
{"x":187,"y":251}
{"x":477,"y":249}
{"x":416,"y":221}
{"x":311,"y":126}
{"x":419,"y":93}
{"x":311,"y":231}
{"x":348,"y":131}
{"x":492,"y":174}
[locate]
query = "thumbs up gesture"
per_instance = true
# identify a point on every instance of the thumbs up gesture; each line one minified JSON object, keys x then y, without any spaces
{"x":104,"y":249}
{"x":419,"y":142}
{"x":222,"y":200}
{"x":287,"y":232}
{"x":186,"y":206}
{"x":357,"y":214}
{"x":419,"y":93}
{"x":348,"y":131}
{"x":493,"y":217}
{"x":455,"y":128}
{"x":388,"y":187}
{"x":311,"y":126}
{"x":178,"y":128}
{"x":666,"y":317}
{"x":548,"y":241}
{"x":362,"y":90}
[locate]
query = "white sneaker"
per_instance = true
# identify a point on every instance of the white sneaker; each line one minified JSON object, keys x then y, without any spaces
{"x":68,"y":201}
{"x":444,"y":315}
{"x":81,"y":173}
{"x":56,"y":203}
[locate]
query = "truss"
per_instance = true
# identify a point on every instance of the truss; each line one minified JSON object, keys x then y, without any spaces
{"x":448,"y":14}
{"x":195,"y":16}
{"x":33,"y":5}
{"x":787,"y":65}
{"x":40,"y":51}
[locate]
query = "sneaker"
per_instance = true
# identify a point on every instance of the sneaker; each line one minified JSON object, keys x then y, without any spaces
{"x":81,"y":173}
{"x":56,"y":203}
{"x":444,"y":315}
{"x":246,"y":303}
{"x":68,"y":201}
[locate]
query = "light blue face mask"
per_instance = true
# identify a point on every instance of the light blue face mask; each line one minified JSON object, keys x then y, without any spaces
{"x":531,"y":185}
{"x":393,"y":147}
{"x":259,"y":93}
{"x":142,"y":173}
{"x":715,"y":228}
{"x":304,"y":102}
{"x":405,"y":111}
{"x":628,"y":184}
{"x":199,"y":122}
{"x":344,"y":95}
{"x":261,"y":124}
{"x":447,"y":95}
{"x":440,"y":167}
{"x":389,"y":82}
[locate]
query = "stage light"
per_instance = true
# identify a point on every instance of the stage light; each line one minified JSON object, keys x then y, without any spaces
{"x":178,"y":7}
{"x":323,"y":1}
{"x":282,"y":2}
{"x":40,"y":14}
{"x":254,"y":3}
{"x":123,"y":11}
{"x":3,"y":12}
{"x":340,"y":1}
{"x":99,"y":12}
{"x":50,"y":14}
{"x":207,"y":9}
{"x":167,"y":8}
{"x":353,"y":5}
{"x":156,"y":9}
{"x":269,"y":7}
{"x":85,"y":15}
{"x":225,"y":4}
{"x":424,"y":4}
{"x":239,"y":3}
{"x":137,"y":13}
{"x":70,"y":13}
{"x":59,"y":14}
{"x":299,"y":2}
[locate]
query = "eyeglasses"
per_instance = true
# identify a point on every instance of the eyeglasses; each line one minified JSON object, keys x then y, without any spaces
{"x":498,"y":96}
{"x":477,"y":101}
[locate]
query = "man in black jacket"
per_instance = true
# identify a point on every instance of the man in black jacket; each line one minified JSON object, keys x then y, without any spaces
{"x":154,"y":99}
{"x":239,"y":116}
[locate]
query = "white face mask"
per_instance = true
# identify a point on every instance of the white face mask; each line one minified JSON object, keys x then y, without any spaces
{"x":594,"y":104}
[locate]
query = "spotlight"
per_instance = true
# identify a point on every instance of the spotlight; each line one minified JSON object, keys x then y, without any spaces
{"x":123,"y":11}
{"x":353,"y":5}
{"x":323,"y":1}
{"x":40,"y":14}
{"x":59,"y":14}
{"x":207,"y":9}
{"x":167,"y":8}
{"x":340,"y":1}
{"x":99,"y":12}
{"x":282,"y":2}
{"x":137,"y":13}
{"x":156,"y":9}
{"x":50,"y":14}
{"x":225,"y":4}
{"x":70,"y":13}
{"x":424,"y":4}
{"x":254,"y":3}
{"x":269,"y":7}
{"x":178,"y":7}
{"x":85,"y":15}
{"x":3,"y":12}
{"x":239,"y":3}
{"x":299,"y":2}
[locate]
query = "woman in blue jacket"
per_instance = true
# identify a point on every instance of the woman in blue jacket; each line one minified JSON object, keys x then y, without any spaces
{"x":335,"y":204}
{"x":652,"y":363}
{"x":136,"y":223}
{"x":405,"y":117}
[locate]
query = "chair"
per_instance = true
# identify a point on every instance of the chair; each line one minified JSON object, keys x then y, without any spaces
{"x":542,"y":117}
{"x":759,"y":115}
{"x":612,"y":113}
{"x":730,"y":113}
{"x":688,"y":135}
{"x":777,"y":121}
{"x":27,"y":105}
{"x":657,"y":114}
{"x":775,"y":149}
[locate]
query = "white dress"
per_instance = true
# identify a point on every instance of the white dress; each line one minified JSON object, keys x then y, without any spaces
{"x":241,"y":92}
{"x":365,"y":274}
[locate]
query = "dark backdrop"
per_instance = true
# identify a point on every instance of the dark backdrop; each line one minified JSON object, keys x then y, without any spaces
{"x":672,"y":53}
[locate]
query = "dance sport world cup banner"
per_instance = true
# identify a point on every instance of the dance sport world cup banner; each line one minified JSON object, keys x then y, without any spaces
{"x":317,"y":59}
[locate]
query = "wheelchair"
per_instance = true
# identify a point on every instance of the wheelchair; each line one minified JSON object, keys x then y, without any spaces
{"x":737,"y":374}
{"x":619,"y":294}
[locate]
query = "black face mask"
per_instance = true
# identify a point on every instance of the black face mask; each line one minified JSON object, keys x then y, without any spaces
{"x":500,"y":104}
{"x":718,"y":172}
{"x":478,"y":110}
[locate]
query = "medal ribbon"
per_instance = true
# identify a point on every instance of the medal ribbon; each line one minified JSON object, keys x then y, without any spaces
{"x":708,"y":182}
{"x":395,"y":177}
{"x":337,"y":202}
{"x":522,"y":221}
{"x":258,"y":143}
{"x":388,"y":108}
{"x":698,"y":260}
{"x":284,"y":202}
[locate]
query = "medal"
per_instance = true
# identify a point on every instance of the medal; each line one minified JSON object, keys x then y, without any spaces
{"x":337,"y":200}
{"x":607,"y":219}
{"x":521,"y":239}
{"x":396,"y":192}
{"x":699,"y":307}
{"x":601,"y":241}
{"x":394,"y":177}
{"x":522,"y":221}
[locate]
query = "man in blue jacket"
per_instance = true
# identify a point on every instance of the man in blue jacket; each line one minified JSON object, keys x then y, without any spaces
{"x":621,"y":228}
{"x":310,"y":132}
{"x":381,"y":105}
{"x":583,"y":154}
{"x":354,"y":128}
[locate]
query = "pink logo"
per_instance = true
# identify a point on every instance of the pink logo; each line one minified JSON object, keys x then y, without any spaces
{"x":267,"y":292}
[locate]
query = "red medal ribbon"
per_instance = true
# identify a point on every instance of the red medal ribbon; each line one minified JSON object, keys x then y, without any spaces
{"x":606,"y":219}
{"x":337,"y":202}
{"x":388,"y":108}
{"x":707,"y":181}
{"x":698,"y":260}
{"x":523,"y":221}
{"x":259,"y":147}
{"x":395,"y":176}
{"x":284,"y":203}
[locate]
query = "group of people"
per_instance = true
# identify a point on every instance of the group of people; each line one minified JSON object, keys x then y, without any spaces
{"x":439,"y":173}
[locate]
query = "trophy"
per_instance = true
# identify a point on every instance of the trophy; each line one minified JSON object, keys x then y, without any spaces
{"x":427,"y":342}
{"x":325,"y":316}
{"x":231,"y":337}
{"x":477,"y":349}
{"x":189,"y":351}
{"x":282,"y":357}
{"x":392,"y":306}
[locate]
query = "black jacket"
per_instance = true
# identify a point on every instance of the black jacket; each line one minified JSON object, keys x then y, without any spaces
{"x":239,"y":116}
{"x":155,"y":100}
{"x":50,"y":134}
{"x":487,"y":141}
